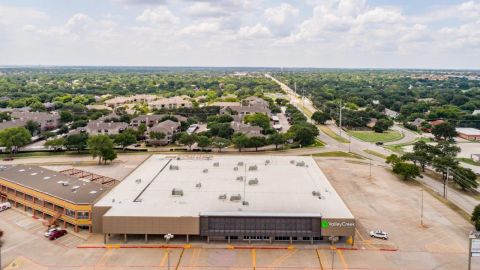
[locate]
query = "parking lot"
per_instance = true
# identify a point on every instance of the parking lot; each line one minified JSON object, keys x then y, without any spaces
{"x":382,"y":202}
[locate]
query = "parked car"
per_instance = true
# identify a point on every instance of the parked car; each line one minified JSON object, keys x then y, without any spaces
{"x":57,"y":234}
{"x":4,"y":206}
{"x":50,"y":231}
{"x":379,"y":143}
{"x":379,"y":234}
{"x":8,"y":159}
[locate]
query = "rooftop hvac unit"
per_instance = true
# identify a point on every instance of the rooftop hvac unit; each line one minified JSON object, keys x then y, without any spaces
{"x":198,"y":185}
{"x":245,"y":203}
{"x":222,"y":197}
{"x":205,"y":170}
{"x":315,"y":193}
{"x":235,"y":168}
{"x":301,"y":164}
{"x":253,"y":168}
{"x":138,"y":181}
{"x":177,"y":192}
{"x":65,"y":184}
{"x":253,"y":182}
{"x":240,"y":163}
{"x":174,"y":167}
{"x":292,"y":161}
{"x":235,"y":198}
{"x":239,"y":178}
{"x":267,"y":162}
{"x":216,"y":164}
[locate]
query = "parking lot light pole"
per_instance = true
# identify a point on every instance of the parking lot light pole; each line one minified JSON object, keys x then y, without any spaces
{"x":421,"y":212}
{"x":167,"y":237}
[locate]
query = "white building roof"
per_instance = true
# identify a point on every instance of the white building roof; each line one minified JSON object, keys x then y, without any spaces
{"x":468,"y":131}
{"x":284,"y":189}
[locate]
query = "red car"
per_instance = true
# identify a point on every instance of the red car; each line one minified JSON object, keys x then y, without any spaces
{"x":57,"y":234}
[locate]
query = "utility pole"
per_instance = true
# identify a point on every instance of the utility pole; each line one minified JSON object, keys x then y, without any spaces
{"x":349,"y":142}
{"x":445,"y":184}
{"x":421,"y":212}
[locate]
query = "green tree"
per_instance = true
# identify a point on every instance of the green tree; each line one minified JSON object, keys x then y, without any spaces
{"x":77,"y":142}
{"x":423,"y":154}
{"x":14,"y":138}
{"x":157,"y":135}
{"x":33,"y":127}
{"x":465,"y":178}
{"x":407,"y":170}
{"x":240,"y":141}
{"x":304,"y":133}
{"x":101,"y":146}
{"x":56,"y":143}
{"x":109,"y":154}
{"x":66,"y":116}
{"x":476,"y":217}
{"x":444,"y":131}
{"x":382,"y":125}
{"x":256,"y":141}
{"x":276,"y":139}
{"x":203,"y":141}
{"x":188,"y":139}
{"x":320,"y":117}
{"x":126,"y":138}
{"x":258,"y":119}
{"x":392,"y":159}
{"x":220,"y":143}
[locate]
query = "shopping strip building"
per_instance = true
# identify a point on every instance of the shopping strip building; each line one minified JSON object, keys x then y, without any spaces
{"x":49,"y":194}
{"x":271,"y":198}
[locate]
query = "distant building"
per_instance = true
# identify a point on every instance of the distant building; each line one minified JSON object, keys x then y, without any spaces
{"x":223,"y":104}
{"x":168,"y":127}
{"x":375,"y":102}
{"x":471,"y":134}
{"x":153,"y":119}
{"x":117,"y":101}
{"x":98,"y":107}
{"x":417,"y":122}
{"x":170,"y":103}
{"x":436,"y":122}
{"x":256,"y":101}
{"x":107,"y":128}
{"x":476,"y":112}
{"x":475,"y":157}
{"x":246,"y":110}
{"x":391,"y":113}
{"x":250,"y":131}
{"x":47,"y":121}
{"x":372,"y":123}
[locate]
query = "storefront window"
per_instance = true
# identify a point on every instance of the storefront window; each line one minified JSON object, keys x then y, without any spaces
{"x":70,"y":213}
{"x":82,"y":215}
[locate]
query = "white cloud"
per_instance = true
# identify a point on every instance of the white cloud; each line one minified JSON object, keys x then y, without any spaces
{"x":257,"y":31}
{"x":206,"y":9}
{"x":158,"y":15}
{"x":462,"y":37}
{"x":201,"y":28}
{"x":281,"y":14}
{"x":10,"y":15}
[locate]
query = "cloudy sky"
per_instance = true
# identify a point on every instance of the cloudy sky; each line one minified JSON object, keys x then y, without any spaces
{"x":288,"y":33}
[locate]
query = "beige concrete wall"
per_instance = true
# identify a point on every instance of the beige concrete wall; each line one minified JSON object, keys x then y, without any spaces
{"x":338,"y":227}
{"x":97,"y":216}
{"x":151,"y":225}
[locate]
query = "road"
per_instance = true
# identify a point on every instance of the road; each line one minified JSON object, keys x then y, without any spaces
{"x":356,"y":146}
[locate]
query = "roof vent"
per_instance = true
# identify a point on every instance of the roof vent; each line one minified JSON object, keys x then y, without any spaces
{"x":177,"y":192}
{"x":267,"y":162}
{"x":245,"y":203}
{"x":240,"y":163}
{"x":235,"y":168}
{"x":174,"y":167}
{"x":65,"y":184}
{"x":198,"y":185}
{"x":292,"y":161}
{"x":253,"y":181}
{"x":235,"y":198}
{"x":315,"y":193}
{"x":138,"y":181}
{"x":253,"y":168}
{"x":222,"y":197}
{"x":205,"y":171}
{"x":239,"y":178}
{"x":113,"y":200}
{"x":216,"y":164}
{"x":301,"y":164}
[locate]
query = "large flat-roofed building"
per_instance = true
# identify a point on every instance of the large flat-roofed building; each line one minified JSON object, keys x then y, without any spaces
{"x":225,"y":197}
{"x":50,"y":194}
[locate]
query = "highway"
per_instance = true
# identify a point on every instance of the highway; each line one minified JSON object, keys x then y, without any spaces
{"x":465,"y":202}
